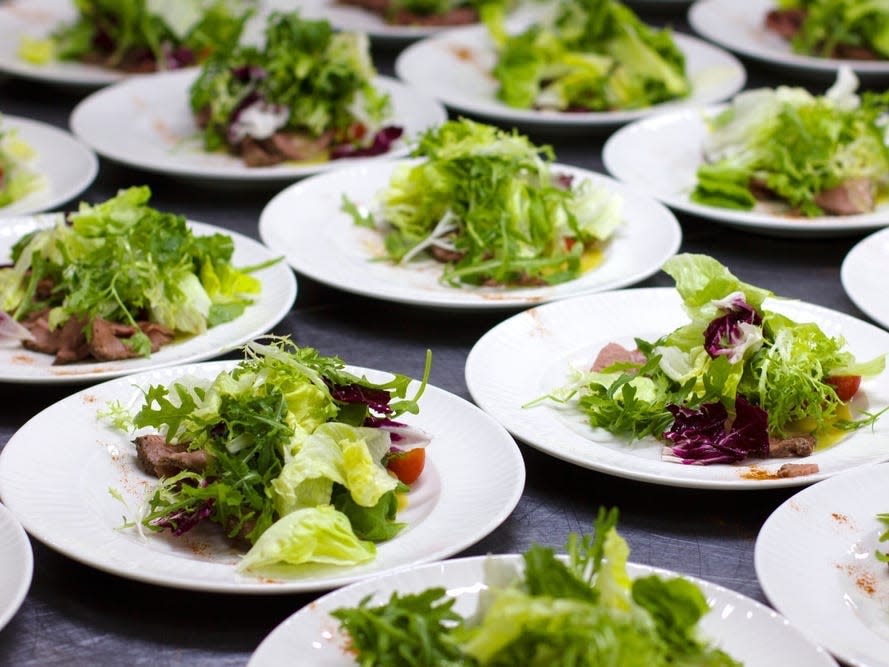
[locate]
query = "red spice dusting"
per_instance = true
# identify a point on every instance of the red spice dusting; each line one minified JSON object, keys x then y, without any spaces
{"x":463,"y":53}
{"x":839,"y":518}
{"x":757,"y":473}
{"x":22,"y":359}
{"x":89,"y":398}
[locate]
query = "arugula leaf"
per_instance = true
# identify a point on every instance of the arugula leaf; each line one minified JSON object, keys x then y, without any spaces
{"x":883,"y":556}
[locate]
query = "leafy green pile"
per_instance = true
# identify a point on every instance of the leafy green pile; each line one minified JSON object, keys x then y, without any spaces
{"x":883,"y":556}
{"x":122,"y":260}
{"x":128,"y":33}
{"x":733,"y":354}
{"x":796,"y":146}
{"x":494,"y":200}
{"x":291,"y":468}
{"x":595,"y":55}
{"x":319,"y":81}
{"x":830,"y":27}
{"x":582,"y":611}
{"x":16,"y":178}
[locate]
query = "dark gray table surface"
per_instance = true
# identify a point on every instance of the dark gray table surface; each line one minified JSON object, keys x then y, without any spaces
{"x":75,"y":615}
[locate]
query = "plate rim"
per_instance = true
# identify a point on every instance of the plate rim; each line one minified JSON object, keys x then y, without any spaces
{"x":20,"y":548}
{"x":848,"y":273}
{"x":88,"y":555}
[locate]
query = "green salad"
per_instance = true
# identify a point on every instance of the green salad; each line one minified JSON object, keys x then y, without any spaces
{"x":287,"y":452}
{"x":737,"y":381}
{"x":579,"y":611}
{"x":594,"y":55}
{"x":852,"y":29}
{"x":424,"y":12}
{"x":17,"y":179}
{"x":119,"y":279}
{"x":142,"y":35}
{"x":493,"y":208}
{"x":816,"y":155}
{"x":307,"y":95}
{"x":884,"y":555}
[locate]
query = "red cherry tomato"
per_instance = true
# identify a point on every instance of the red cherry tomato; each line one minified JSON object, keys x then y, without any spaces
{"x":407,"y":466}
{"x":845,"y":385}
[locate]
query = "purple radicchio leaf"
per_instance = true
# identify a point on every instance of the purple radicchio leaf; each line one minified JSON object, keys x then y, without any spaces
{"x":725,"y":335}
{"x":563,"y":180}
{"x":699,"y":436}
{"x":375,"y":399}
{"x":382,"y":143}
{"x":177,"y":57}
{"x":182,"y":521}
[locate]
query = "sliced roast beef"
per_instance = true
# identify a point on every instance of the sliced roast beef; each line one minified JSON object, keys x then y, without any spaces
{"x":854,"y":52}
{"x":297,"y":146}
{"x":797,"y":470}
{"x":107,"y":339}
{"x":158,"y":334}
{"x":444,"y":255}
{"x":857,"y":195}
{"x":456,"y":16}
{"x":44,"y":340}
{"x":613,"y":353}
{"x":159,"y":458}
{"x":799,"y":445}
{"x":72,"y":341}
{"x":255,"y":154}
{"x":786,"y":22}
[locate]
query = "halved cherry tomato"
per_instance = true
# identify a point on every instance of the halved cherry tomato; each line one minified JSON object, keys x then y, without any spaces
{"x":845,"y":385}
{"x":407,"y":466}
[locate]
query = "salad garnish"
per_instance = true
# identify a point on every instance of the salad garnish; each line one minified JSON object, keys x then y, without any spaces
{"x":816,"y":155}
{"x":307,"y":95}
{"x":423,"y":12}
{"x":883,"y":555}
{"x":593,"y":55}
{"x":849,"y":29}
{"x":17,"y":179}
{"x":286,"y":452}
{"x":142,"y":35}
{"x":582,"y":610}
{"x":492,"y":207}
{"x":119,"y":279}
{"x":738,"y":381}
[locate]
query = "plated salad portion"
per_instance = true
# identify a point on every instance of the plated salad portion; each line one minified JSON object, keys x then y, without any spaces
{"x":308,"y":95}
{"x":737,"y":382}
{"x":813,"y":155}
{"x":584,"y":606}
{"x":492,"y":208}
{"x":593,"y":55}
{"x":118,"y":280}
{"x":423,"y":12}
{"x":17,"y":179}
{"x":142,"y":36}
{"x":849,"y":29}
{"x":294,"y":457}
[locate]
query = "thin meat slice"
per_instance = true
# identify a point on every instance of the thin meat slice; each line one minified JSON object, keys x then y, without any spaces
{"x":786,"y":22}
{"x":107,"y":342}
{"x":159,"y":458}
{"x":456,"y":16}
{"x":614,"y":353}
{"x":296,"y":146}
{"x":72,"y":341}
{"x":857,"y":195}
{"x":799,"y":445}
{"x":43,"y":340}
{"x":158,"y":334}
{"x":797,"y":470}
{"x":257,"y":155}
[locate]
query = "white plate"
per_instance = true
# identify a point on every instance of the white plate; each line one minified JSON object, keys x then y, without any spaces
{"x":473,"y":479}
{"x":529,"y":355}
{"x":746,"y":629}
{"x":278,"y":292}
{"x":145,"y":122}
{"x":740,"y":27}
{"x":455,"y":67}
{"x":814,"y":560}
{"x":661,"y":156}
{"x":65,"y":163}
{"x":306,"y":224}
{"x":864,"y":274}
{"x":16,"y":566}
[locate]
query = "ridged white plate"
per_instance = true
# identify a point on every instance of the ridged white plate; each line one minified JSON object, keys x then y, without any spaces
{"x":740,"y":27}
{"x":274,"y":301}
{"x":528,"y":355}
{"x":65,"y":164}
{"x":661,"y":156}
{"x":455,"y":67}
{"x":306,"y":223}
{"x":865,"y":273}
{"x":815,"y":561}
{"x":746,"y":629}
{"x":145,"y":122}
{"x":16,"y":566}
{"x":473,"y":479}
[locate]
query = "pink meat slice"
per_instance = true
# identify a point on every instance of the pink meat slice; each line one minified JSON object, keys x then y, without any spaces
{"x":614,"y":353}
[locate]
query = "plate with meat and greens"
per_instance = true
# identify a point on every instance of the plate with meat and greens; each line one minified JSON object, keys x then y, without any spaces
{"x":715,"y":384}
{"x":120,"y":287}
{"x":778,"y":161}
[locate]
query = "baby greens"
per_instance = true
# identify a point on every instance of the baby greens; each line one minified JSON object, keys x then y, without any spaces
{"x":16,"y":178}
{"x":841,"y":28}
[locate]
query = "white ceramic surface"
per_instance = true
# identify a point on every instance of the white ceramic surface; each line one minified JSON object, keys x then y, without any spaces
{"x":306,"y":223}
{"x":815,"y":561}
{"x":455,"y":67}
{"x":473,"y":479}
{"x":16,"y":566}
{"x":274,"y":301}
{"x":865,"y":274}
{"x":661,"y":155}
{"x":740,"y":27}
{"x":529,"y":355}
{"x":747,"y":630}
{"x":145,"y":122}
{"x":65,"y":164}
